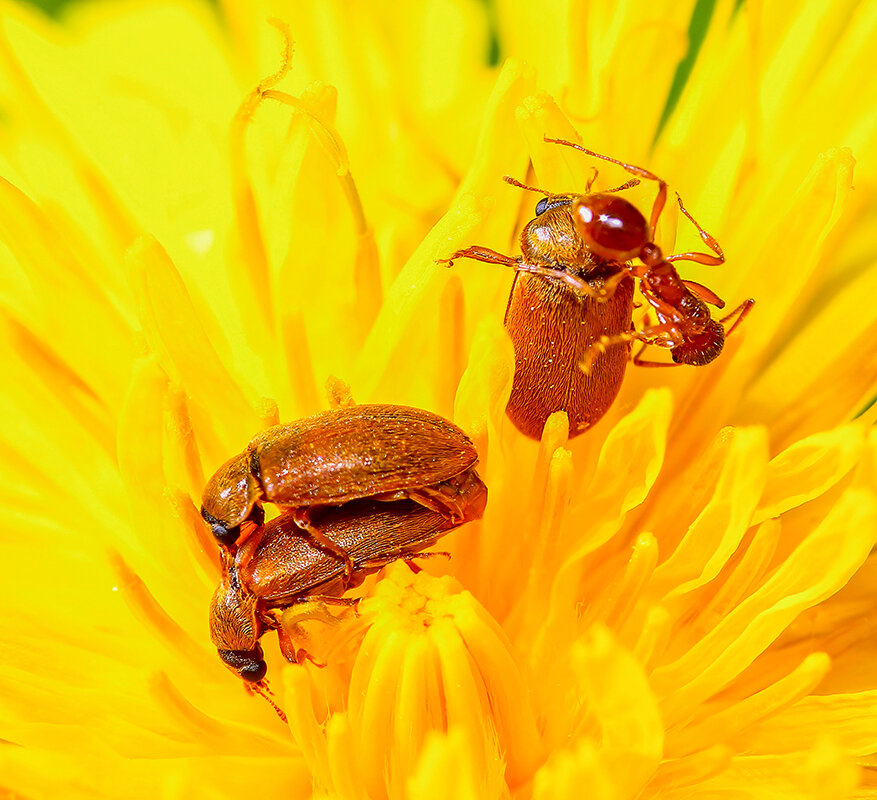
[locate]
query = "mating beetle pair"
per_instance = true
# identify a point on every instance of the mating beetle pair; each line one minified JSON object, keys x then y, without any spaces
{"x":279,"y":567}
{"x":361,"y":486}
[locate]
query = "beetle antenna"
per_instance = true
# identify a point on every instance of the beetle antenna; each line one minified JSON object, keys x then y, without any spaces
{"x":631,"y":183}
{"x":262,"y":690}
{"x":513,"y":182}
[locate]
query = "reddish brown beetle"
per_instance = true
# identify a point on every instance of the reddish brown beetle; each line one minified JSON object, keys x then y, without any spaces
{"x":570,"y":312}
{"x":381,"y":451}
{"x":564,"y":299}
{"x":278,"y":566}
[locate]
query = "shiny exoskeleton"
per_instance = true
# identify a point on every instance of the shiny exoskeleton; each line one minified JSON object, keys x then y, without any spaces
{"x":564,"y":300}
{"x":386,"y":452}
{"x":613,"y":228}
{"x":570,"y":311}
{"x":279,"y":566}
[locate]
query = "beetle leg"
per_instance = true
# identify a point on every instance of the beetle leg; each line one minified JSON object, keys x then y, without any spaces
{"x":480,"y":254}
{"x":303,"y":520}
{"x":574,"y":282}
{"x":292,"y":636}
{"x":396,"y":555}
{"x":249,"y":527}
{"x":303,"y":655}
{"x":443,"y":498}
{"x":287,"y":646}
{"x":415,"y":568}
{"x":477,"y":253}
{"x":441,"y":502}
{"x":328,"y":600}
{"x":292,"y":653}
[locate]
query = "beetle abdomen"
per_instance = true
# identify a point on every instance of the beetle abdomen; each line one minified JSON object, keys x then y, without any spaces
{"x":551,"y":335}
{"x":357,"y":452}
{"x":281,"y":561}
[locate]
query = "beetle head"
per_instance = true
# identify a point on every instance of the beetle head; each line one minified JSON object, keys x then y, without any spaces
{"x":229,"y":498}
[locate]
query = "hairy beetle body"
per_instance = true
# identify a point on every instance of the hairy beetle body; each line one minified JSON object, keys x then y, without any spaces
{"x":279,"y":566}
{"x":385,"y":451}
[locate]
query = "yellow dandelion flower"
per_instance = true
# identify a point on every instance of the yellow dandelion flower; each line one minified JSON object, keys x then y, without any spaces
{"x":199,"y":230}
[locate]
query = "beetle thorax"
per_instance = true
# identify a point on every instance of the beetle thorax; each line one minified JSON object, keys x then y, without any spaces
{"x":233,"y":620}
{"x":551,"y":240}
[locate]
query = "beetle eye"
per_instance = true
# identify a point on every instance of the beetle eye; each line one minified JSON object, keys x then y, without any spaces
{"x":249,"y":664}
{"x":254,"y":672}
{"x":224,"y":535}
{"x":552,"y":201}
